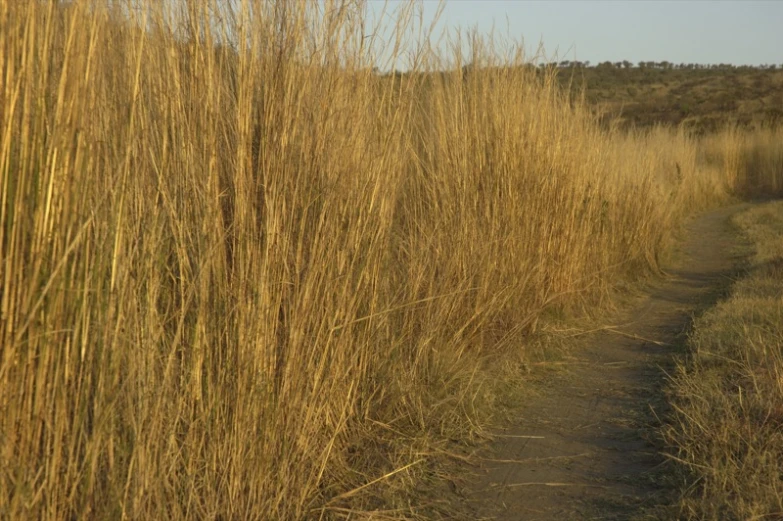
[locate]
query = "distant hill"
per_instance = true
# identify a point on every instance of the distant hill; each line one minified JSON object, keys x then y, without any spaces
{"x":704,"y":97}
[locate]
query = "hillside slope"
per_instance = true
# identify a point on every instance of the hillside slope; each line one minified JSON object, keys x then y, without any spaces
{"x":703,"y":97}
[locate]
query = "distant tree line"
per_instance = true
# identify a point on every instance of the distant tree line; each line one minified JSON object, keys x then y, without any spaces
{"x":627,"y":65}
{"x":665,"y":65}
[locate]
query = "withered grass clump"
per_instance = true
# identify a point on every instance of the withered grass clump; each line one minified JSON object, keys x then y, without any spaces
{"x":243,"y":276}
{"x":727,"y":429}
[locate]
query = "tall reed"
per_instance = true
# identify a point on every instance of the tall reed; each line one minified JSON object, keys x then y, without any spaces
{"x":245,"y":276}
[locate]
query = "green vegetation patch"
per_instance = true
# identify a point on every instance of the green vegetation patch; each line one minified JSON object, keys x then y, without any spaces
{"x":727,"y":428}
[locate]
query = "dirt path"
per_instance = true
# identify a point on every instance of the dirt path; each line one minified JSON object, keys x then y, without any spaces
{"x":583,"y":447}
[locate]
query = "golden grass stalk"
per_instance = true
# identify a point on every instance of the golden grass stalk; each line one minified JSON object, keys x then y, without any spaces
{"x":245,"y":276}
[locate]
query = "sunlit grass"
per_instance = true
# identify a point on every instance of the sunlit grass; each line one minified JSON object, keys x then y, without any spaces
{"x":261,"y":282}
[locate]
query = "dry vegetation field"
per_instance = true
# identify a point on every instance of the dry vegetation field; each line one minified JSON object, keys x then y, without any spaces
{"x":261,"y":281}
{"x":728,"y":397}
{"x":701,"y":98}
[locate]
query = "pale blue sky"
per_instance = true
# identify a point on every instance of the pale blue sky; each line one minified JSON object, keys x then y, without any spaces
{"x":705,"y":31}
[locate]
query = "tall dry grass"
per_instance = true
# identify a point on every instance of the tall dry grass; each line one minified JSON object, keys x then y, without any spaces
{"x":260,"y":281}
{"x":752,"y":161}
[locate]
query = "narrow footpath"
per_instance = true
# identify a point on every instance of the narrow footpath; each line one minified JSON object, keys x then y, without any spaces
{"x":584,"y":446}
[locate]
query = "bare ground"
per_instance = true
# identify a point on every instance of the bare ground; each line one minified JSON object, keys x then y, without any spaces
{"x":584,"y":445}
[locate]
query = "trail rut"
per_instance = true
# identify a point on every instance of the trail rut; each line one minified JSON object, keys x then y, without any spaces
{"x":584,"y":447}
